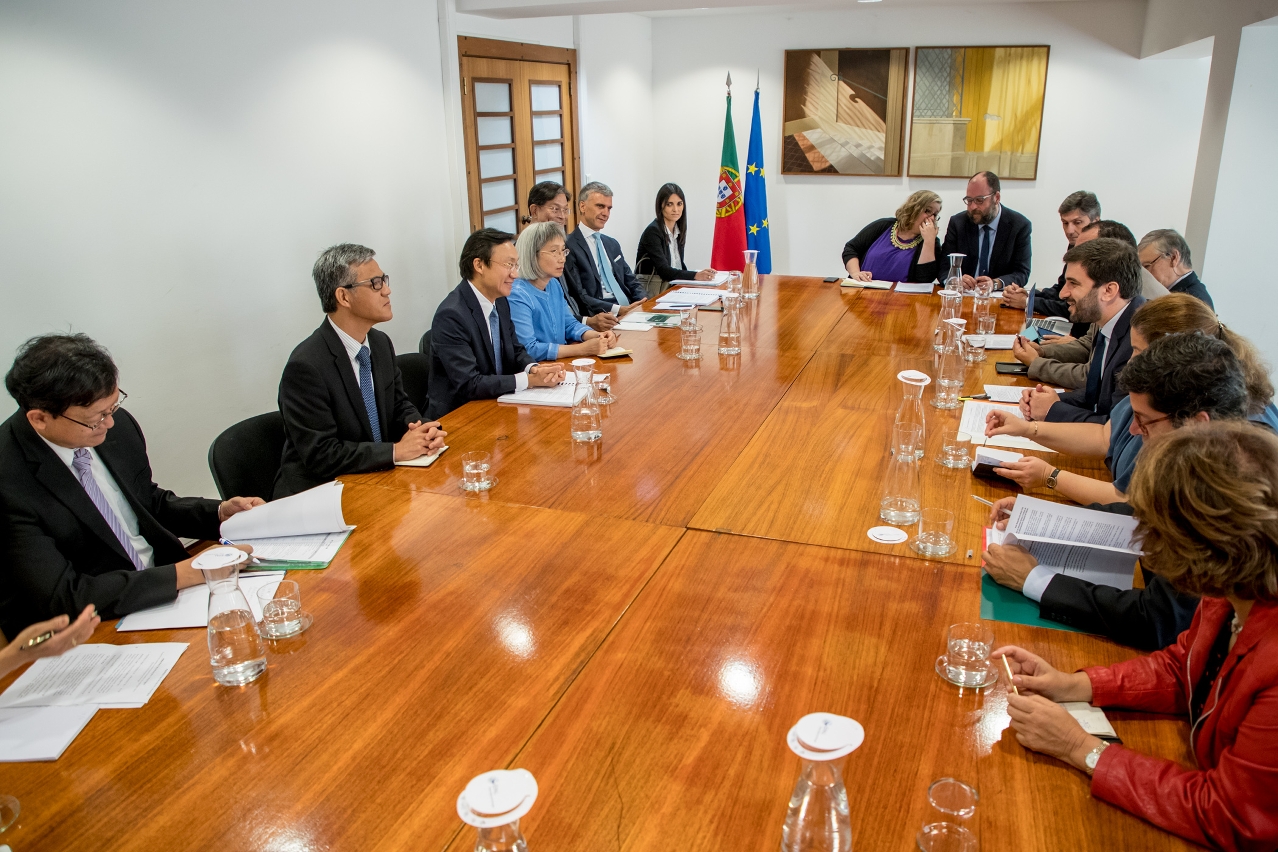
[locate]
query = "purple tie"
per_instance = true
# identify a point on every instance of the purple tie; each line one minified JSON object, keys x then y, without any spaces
{"x":81,"y":463}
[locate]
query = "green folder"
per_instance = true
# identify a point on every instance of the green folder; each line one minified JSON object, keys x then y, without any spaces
{"x":1002,"y":604}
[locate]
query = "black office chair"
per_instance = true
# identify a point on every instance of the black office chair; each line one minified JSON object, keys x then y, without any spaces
{"x":414,"y":368}
{"x":423,"y":345}
{"x":245,"y":458}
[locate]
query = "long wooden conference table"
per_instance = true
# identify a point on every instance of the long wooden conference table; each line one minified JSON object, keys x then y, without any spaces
{"x":638,"y":623}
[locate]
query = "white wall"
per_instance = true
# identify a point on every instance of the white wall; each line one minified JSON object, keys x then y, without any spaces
{"x":169,"y":171}
{"x":1124,"y":128}
{"x":1234,"y":270}
{"x":553,"y":32}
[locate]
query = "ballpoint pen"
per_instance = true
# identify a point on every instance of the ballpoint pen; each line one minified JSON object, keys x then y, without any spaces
{"x":976,"y":396}
{"x":37,"y":640}
{"x":989,"y":503}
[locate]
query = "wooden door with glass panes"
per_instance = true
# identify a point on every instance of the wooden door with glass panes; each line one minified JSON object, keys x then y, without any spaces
{"x":519,"y":131}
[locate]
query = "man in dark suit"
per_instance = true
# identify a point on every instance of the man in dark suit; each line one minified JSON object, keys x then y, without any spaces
{"x":81,"y":521}
{"x":1102,"y":286}
{"x":1079,"y":210}
{"x":1165,"y":254}
{"x":596,"y":268}
{"x":341,"y":395}
{"x":995,"y":240}
{"x":474,"y":351}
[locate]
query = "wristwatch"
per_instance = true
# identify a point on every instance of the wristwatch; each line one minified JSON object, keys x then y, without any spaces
{"x":1093,"y":757}
{"x":1051,"y":480}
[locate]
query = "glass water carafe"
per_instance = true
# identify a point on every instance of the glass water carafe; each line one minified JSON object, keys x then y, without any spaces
{"x":901,"y":490}
{"x":586,"y":421}
{"x":818,"y":818}
{"x":910,"y":413}
{"x":951,"y":308}
{"x":950,"y":366}
{"x":236,"y":649}
{"x":494,"y":803}
{"x":730,"y":325}
{"x":954,"y":278}
{"x":750,"y":275}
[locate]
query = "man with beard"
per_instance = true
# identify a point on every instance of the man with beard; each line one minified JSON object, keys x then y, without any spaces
{"x":1102,"y":286}
{"x":994,"y":239}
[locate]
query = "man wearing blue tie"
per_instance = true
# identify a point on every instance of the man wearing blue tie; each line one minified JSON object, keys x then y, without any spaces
{"x":995,"y":240}
{"x":341,"y":395}
{"x":474,"y":351}
{"x":596,"y":270}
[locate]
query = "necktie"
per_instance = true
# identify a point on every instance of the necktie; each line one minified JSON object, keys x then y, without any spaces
{"x":494,"y":329}
{"x":82,"y":462}
{"x":366,"y":391}
{"x":1094,"y":368}
{"x":605,"y":272}
{"x":983,"y":259}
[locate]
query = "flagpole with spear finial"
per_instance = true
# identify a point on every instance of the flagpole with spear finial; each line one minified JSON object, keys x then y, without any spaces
{"x":729,"y":84}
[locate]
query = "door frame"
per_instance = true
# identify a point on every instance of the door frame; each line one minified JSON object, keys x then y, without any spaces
{"x":487,"y":48}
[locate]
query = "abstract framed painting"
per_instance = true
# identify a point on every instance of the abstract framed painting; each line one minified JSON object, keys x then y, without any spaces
{"x":844,"y":111}
{"x":977,"y":109}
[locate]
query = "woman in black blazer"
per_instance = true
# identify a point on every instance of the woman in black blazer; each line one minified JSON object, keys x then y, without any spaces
{"x":903,"y":248}
{"x":660,"y":254}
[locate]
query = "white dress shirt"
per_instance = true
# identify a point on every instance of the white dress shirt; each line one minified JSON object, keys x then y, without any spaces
{"x":352,"y":349}
{"x":592,"y":241}
{"x":521,"y":379}
{"x":114,"y":497}
{"x":673,"y":238}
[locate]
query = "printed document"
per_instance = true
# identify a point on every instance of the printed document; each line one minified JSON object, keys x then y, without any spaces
{"x":40,"y":733}
{"x":719,"y":277}
{"x":96,"y":674}
{"x":191,"y":609}
{"x":973,"y":423}
{"x":1083,"y":543}
{"x":923,"y":289}
{"x":317,"y":510}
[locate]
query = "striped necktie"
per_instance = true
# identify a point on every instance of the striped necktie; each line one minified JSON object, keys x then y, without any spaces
{"x":82,"y":462}
{"x":605,"y":273}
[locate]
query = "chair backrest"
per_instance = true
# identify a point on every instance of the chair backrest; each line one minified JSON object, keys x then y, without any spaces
{"x":423,"y":345}
{"x":245,"y":458}
{"x":414,"y":369}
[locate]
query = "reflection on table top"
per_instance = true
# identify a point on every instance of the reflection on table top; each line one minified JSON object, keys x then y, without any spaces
{"x":638,"y":623}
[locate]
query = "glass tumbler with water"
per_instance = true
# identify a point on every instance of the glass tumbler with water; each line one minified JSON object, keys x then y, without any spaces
{"x":910,"y":414}
{"x":236,"y":650}
{"x":494,"y":803}
{"x":901,"y":490}
{"x":730,"y":325}
{"x":818,"y":819}
{"x":967,"y":654}
{"x":750,"y":275}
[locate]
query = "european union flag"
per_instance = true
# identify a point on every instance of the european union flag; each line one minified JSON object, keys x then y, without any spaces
{"x":756,"y":196}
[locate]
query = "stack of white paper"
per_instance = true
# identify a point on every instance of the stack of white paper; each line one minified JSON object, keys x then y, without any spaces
{"x":867,"y":285}
{"x":97,"y":674}
{"x":719,"y":277}
{"x":1009,"y":393}
{"x":695,"y":298}
{"x":998,"y":341}
{"x":1099,"y":547}
{"x":293,"y":523}
{"x":915,"y":289}
{"x":973,"y":423}
{"x":40,"y":733}
{"x":191,"y":608}
{"x":563,"y":395}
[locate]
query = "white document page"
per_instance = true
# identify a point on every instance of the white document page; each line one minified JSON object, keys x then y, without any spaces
{"x":40,"y":733}
{"x":996,"y":458}
{"x":997,"y":342}
{"x":633,"y":326}
{"x":686,"y":297}
{"x":321,"y":547}
{"x":317,"y":510}
{"x":422,"y":461}
{"x":1093,"y":719}
{"x":719,"y":277}
{"x":191,"y":609}
{"x":1093,"y":546}
{"x":922,"y":289}
{"x":1009,"y":393}
{"x":867,"y":285}
{"x":973,"y":423}
{"x":563,"y":395}
{"x":717,"y":292}
{"x":96,"y":674}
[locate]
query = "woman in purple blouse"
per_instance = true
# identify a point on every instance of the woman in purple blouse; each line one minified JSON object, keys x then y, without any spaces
{"x":901,"y":249}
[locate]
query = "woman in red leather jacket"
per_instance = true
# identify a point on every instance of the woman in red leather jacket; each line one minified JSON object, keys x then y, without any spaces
{"x":1207,"y":500}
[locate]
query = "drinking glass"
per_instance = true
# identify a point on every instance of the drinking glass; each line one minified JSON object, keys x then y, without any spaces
{"x":687,"y":316}
{"x":985,"y":324}
{"x":734,"y":283}
{"x":973,"y":348}
{"x":9,"y":810}
{"x":952,"y":803}
{"x":982,"y":306}
{"x":475,"y":471}
{"x":936,"y":533}
{"x":967,"y":655}
{"x":690,"y":342}
{"x":954,"y":447}
{"x":601,"y":385}
{"x":282,"y":614}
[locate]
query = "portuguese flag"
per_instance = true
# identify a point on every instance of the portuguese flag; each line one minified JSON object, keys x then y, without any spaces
{"x":729,"y":223}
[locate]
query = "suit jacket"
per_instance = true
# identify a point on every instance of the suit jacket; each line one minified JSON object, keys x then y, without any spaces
{"x":461,"y":366}
{"x":1064,"y":364}
{"x":327,"y":430}
{"x":59,"y":555}
{"x":583,"y":278}
{"x":1193,"y":286}
{"x":1073,"y":407}
{"x":653,"y":255}
{"x":1009,"y":256}
{"x":1148,"y":618}
{"x":859,"y":247}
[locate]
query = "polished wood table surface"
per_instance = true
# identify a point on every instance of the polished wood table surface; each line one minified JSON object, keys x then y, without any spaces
{"x":637,"y":623}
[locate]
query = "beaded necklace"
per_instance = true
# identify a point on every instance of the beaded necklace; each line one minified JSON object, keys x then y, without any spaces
{"x":903,"y":246}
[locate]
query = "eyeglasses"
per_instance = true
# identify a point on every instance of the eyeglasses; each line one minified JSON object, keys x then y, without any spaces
{"x":375,"y":283}
{"x":1142,"y":425}
{"x":563,"y":252}
{"x":96,"y":426}
{"x":969,"y":200}
{"x":1150,"y":265}
{"x":556,"y":210}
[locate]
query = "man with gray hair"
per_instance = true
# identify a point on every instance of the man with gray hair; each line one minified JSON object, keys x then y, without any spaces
{"x":1165,"y":255}
{"x":596,"y":269}
{"x":341,"y":395}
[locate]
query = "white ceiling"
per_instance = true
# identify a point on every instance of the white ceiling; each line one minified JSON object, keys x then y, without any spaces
{"x":663,"y":8}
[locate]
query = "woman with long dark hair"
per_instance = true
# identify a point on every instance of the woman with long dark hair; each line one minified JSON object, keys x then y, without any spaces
{"x":660,"y":257}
